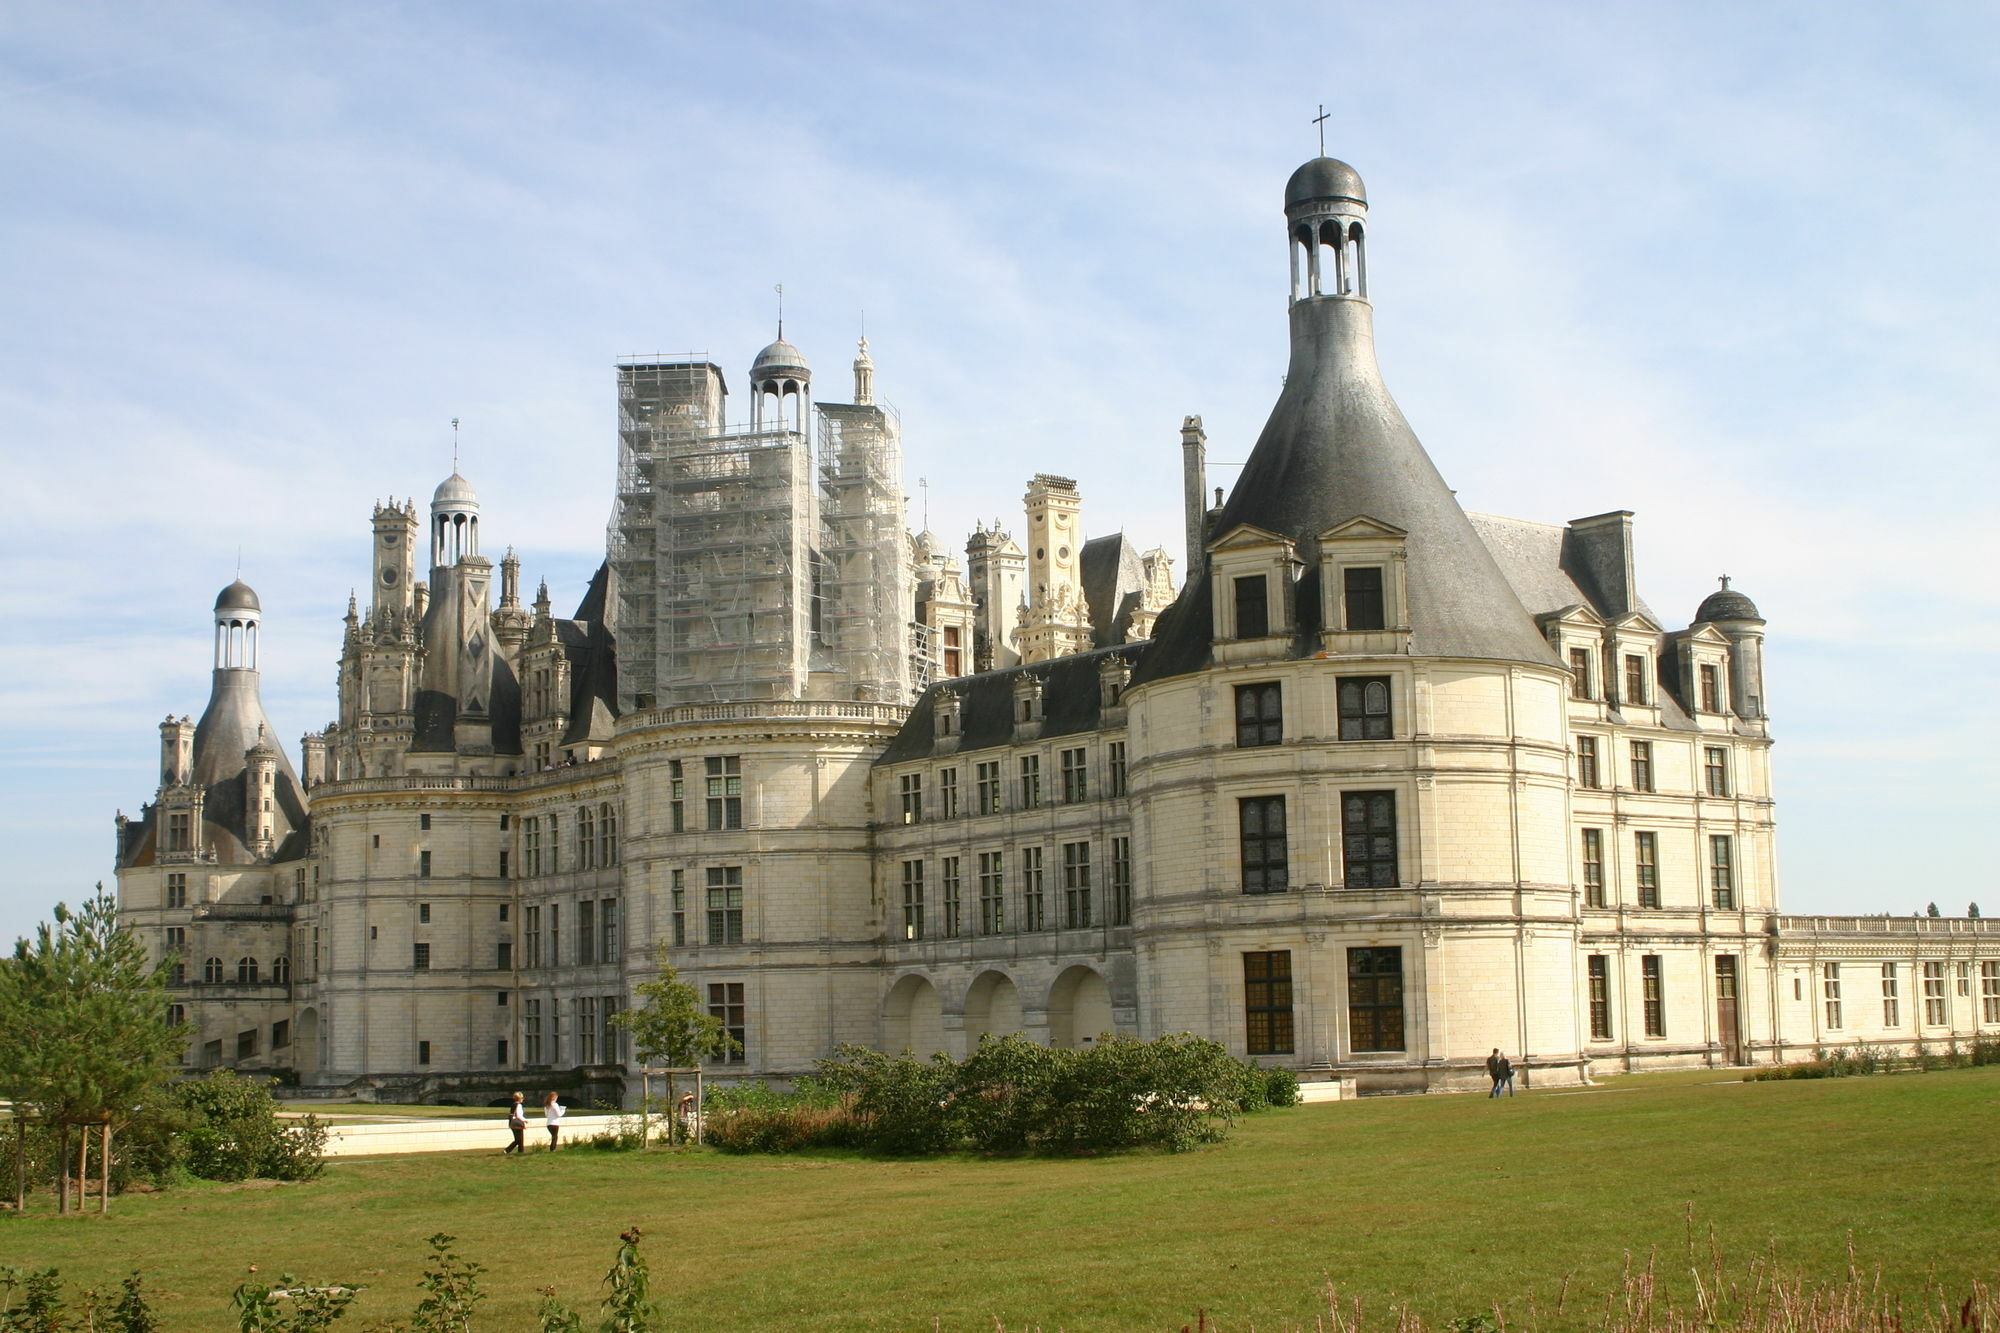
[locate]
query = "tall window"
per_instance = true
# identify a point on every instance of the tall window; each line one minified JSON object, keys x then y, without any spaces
{"x":246,"y":971}
{"x":954,"y":651}
{"x":281,"y":970}
{"x":555,"y":844}
{"x":531,"y":1031}
{"x":910,"y":794}
{"x":211,"y":971}
{"x":1715,"y":770}
{"x":725,"y":792}
{"x":177,"y":889}
{"x":680,"y":906}
{"x":1267,"y":1002}
{"x":1965,"y":980}
{"x":586,"y":932}
{"x":1253,"y":607}
{"x":1361,"y":593}
{"x":677,"y":795}
{"x":992,"y":894}
{"x":913,"y":900}
{"x":531,"y":935}
{"x":586,"y":1030}
{"x":177,"y":939}
{"x":1934,"y":1001}
{"x":1076,"y":885}
{"x":947,"y":787}
{"x":1593,"y":867}
{"x":607,"y":916}
{"x":1722,"y":871}
{"x":1375,"y":999}
{"x":1364,"y":708}
{"x":555,"y":935}
{"x":531,"y":844}
{"x":607,"y":1040}
{"x":423,"y":865}
{"x":1579,"y":673}
{"x":1598,"y":968}
{"x":1586,"y":762}
{"x":725,"y":1006}
{"x":725,"y":904}
{"x":1034,"y":902}
{"x":1989,"y":991}
{"x":1652,"y":992}
{"x":1114,"y":769}
{"x":1121,"y":881}
{"x":176,"y":1015}
{"x":1892,"y":997}
{"x":1031,"y":781}
{"x":1261,"y":824}
{"x":950,"y":892}
{"x":1260,"y":715}
{"x":1642,"y":766}
{"x":555,"y":1031}
{"x":1368,"y":839}
{"x":423,"y":914}
{"x":180,"y":831}
{"x":421,"y":957}
{"x":1646,"y":859}
{"x":607,"y":834}
{"x":986,"y":788}
{"x":1635,"y":679}
{"x":1711,"y":688}
{"x":1829,"y":980}
{"x":1075,"y":776}
{"x":586,"y":838}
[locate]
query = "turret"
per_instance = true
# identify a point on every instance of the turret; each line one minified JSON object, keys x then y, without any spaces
{"x":996,"y":571}
{"x":1057,"y":622}
{"x":260,"y":797}
{"x":1736,"y":616}
{"x":780,"y":387}
{"x":864,"y":376}
{"x":176,"y":751}
{"x":454,"y":522}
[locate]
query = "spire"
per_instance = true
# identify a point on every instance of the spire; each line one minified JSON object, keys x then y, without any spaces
{"x":864,"y":375}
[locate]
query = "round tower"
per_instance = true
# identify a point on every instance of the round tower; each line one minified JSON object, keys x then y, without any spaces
{"x":237,"y":615}
{"x":454,"y":521}
{"x":260,"y":793}
{"x":1326,"y":208}
{"x":780,"y":387}
{"x":1736,"y":616}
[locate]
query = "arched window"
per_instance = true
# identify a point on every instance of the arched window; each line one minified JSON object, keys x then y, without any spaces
{"x":246,"y":971}
{"x":211,"y":971}
{"x":281,"y":971}
{"x":607,"y":834}
{"x":585,"y":847}
{"x":1357,"y":260}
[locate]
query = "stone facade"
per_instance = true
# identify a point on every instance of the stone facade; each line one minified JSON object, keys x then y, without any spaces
{"x":1382,"y":787}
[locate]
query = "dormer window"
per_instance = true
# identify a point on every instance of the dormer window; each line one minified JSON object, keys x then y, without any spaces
{"x":1361,"y":597}
{"x":1635,"y":678}
{"x":1253,"y":606}
{"x":1579,"y":674}
{"x":1711,"y":688}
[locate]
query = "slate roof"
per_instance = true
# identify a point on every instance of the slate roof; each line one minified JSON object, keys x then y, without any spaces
{"x":1071,"y":701}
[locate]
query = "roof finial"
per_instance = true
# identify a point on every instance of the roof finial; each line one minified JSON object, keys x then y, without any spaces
{"x":454,"y":446}
{"x":1320,"y":120}
{"x":779,"y":288}
{"x":1725,"y":582}
{"x":924,"y":485}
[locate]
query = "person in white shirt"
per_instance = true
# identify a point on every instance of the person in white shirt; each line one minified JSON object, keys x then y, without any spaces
{"x":552,"y":1111}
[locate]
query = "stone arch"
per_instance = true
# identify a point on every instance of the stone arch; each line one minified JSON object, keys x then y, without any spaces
{"x":305,"y":1042}
{"x":913,"y":1017}
{"x":992,"y":1005}
{"x":1079,"y":1008}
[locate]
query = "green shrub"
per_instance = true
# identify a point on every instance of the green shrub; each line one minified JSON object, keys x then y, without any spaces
{"x":1281,"y":1087}
{"x":229,"y":1130}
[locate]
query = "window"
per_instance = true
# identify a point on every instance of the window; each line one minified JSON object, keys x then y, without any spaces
{"x":1267,"y":1002}
{"x":986,"y":787}
{"x":607,"y":1040}
{"x":555,"y":1031}
{"x":911,"y":789}
{"x":281,"y":971}
{"x":947,"y":785}
{"x":607,"y":834}
{"x":555,"y":935}
{"x":1375,"y":999}
{"x":1722,"y":871}
{"x":1579,"y":673}
{"x":676,"y":796}
{"x":500,"y":1051}
{"x":1361,"y":594}
{"x":1076,"y":885}
{"x":913,"y":900}
{"x":1261,"y":823}
{"x":1075,"y":776}
{"x":1711,"y":689}
{"x":1830,"y":991}
{"x":503,"y":955}
{"x":423,"y":914}
{"x":586,"y":932}
{"x":421,"y":956}
{"x":246,"y":971}
{"x":1364,"y":708}
{"x":177,"y":939}
{"x":680,"y":909}
{"x":503,"y":863}
{"x":586,"y":837}
{"x":1598,"y":968}
{"x":177,"y":890}
{"x":505,"y":822}
{"x":1253,"y":610}
{"x":1121,"y":881}
{"x":246,"y":1044}
{"x":531,"y":844}
{"x":1368,"y":839}
{"x":177,"y":1015}
{"x":1651,"y":991}
{"x":1031,"y":781}
{"x":992,"y":894}
{"x":607,"y":919}
{"x":1934,"y":1003}
{"x":1892,"y":1003}
{"x":1593,"y":867}
{"x":1260,"y":718}
{"x":1989,"y":991}
{"x":950,"y":894}
{"x":1586,"y":762}
{"x":180,"y":835}
{"x":1715,"y":770}
{"x":1635,"y":679}
{"x":1114,"y":769}
{"x":423,"y":865}
{"x":1642,"y":766}
{"x":1034,"y":906}
{"x":424,"y":822}
{"x":531,"y":936}
{"x":954,"y":651}
{"x":586,"y":1030}
{"x":725,"y":1006}
{"x":725,"y":904}
{"x":423,"y":1052}
{"x":1646,"y":858}
{"x":1965,"y":980}
{"x":725,"y":792}
{"x":531,"y":1031}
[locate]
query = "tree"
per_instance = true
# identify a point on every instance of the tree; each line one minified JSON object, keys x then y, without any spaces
{"x":84,"y":1037}
{"x":1972,"y":910}
{"x":1931,"y":910}
{"x":670,"y":1026}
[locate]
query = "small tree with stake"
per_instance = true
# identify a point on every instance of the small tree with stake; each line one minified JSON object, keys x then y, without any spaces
{"x":670,"y":1026}
{"x":84,"y":1037}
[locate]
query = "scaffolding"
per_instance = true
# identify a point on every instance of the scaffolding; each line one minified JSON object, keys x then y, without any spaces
{"x":865,"y":586}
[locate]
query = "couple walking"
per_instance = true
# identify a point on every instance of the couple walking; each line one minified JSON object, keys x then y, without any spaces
{"x":517,"y":1121}
{"x":1501,"y":1070}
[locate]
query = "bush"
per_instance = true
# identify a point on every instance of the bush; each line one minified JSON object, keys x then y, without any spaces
{"x":1281,"y":1087}
{"x":229,"y":1130}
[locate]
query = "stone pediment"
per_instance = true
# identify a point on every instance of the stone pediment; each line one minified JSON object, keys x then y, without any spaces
{"x":1363,"y":528}
{"x":1637,"y":622}
{"x":1247,"y":536}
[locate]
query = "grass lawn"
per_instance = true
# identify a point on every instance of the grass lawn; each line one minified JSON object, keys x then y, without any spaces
{"x":1447,"y":1203}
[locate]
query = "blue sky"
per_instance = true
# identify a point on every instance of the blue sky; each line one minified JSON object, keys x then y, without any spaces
{"x":1725,"y":265}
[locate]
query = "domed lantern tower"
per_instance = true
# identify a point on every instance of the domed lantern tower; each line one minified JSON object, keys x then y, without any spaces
{"x":780,"y":388}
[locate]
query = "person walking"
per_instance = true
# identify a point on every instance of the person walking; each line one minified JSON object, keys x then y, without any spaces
{"x":1505,"y":1078}
{"x":517,"y":1125}
{"x":1493,"y":1066}
{"x":553,"y":1111}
